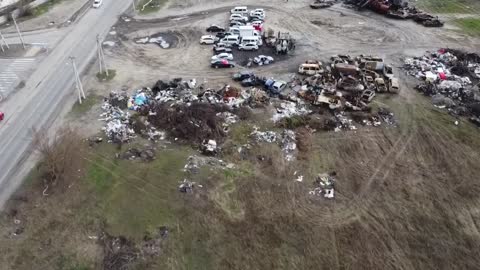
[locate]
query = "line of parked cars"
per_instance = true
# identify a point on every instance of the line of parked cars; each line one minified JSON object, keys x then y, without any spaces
{"x":244,"y":32}
{"x":248,"y":78}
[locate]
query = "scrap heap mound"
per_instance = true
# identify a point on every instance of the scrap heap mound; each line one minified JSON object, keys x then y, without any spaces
{"x":346,"y":84}
{"x":451,"y":78}
{"x":397,"y":9}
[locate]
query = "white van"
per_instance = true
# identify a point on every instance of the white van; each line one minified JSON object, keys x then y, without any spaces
{"x":239,"y":10}
{"x":231,"y":40}
{"x":252,"y":39}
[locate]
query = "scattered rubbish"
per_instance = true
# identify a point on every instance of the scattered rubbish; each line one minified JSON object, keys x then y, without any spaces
{"x":324,"y":186}
{"x":194,"y":163}
{"x":156,"y":40}
{"x":209,"y":147}
{"x":264,"y":136}
{"x":288,"y":144}
{"x":109,"y":43}
{"x":186,"y":186}
{"x":289,"y":109}
{"x":94,"y":140}
{"x":147,"y":154}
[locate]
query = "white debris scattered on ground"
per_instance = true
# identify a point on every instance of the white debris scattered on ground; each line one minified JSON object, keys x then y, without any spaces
{"x":264,"y":136}
{"x":289,"y":145}
{"x":289,"y":109}
{"x":157,"y":40}
{"x":109,"y":43}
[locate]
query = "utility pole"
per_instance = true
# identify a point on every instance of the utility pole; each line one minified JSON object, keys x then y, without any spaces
{"x":134,"y":7}
{"x":101,"y":57}
{"x":18,"y":31}
{"x":4,"y":41}
{"x":78,"y":82}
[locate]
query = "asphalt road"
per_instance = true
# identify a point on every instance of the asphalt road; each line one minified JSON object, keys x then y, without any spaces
{"x":46,"y":91}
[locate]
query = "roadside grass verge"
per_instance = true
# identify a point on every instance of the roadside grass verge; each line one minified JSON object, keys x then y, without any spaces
{"x":103,"y":77}
{"x":449,"y":6}
{"x":149,"y":6}
{"x":87,"y":104}
{"x":470,"y":26}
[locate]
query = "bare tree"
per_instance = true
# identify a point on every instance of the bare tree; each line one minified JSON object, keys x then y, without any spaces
{"x":61,"y":155}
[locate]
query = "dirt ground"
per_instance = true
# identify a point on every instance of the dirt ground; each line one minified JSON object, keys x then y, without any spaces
{"x":406,"y":196}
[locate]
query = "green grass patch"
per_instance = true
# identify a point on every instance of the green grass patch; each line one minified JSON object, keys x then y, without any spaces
{"x":470,"y":26}
{"x":137,"y":197}
{"x":103,"y":77}
{"x":153,"y":6}
{"x":449,"y":6}
{"x":87,"y":104}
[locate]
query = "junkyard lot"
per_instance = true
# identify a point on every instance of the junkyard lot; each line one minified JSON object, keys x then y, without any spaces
{"x":407,"y":195}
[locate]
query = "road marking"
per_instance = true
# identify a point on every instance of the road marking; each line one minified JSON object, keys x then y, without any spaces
{"x":11,"y":70}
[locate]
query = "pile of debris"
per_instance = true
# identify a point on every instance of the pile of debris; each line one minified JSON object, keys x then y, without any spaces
{"x":397,"y":9}
{"x":451,"y":78}
{"x":122,"y":253}
{"x":147,"y":154}
{"x":322,"y":4}
{"x":194,"y":163}
{"x":286,"y":140}
{"x":117,"y":128}
{"x":345,"y":84}
{"x":324,"y":185}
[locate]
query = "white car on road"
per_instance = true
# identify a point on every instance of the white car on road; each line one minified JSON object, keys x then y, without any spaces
{"x":207,"y":39}
{"x":227,"y":56}
{"x":97,"y":3}
{"x":248,"y":47}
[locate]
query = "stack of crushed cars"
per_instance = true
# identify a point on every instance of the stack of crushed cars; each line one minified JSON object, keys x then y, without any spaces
{"x":451,"y":78}
{"x":346,"y":84}
{"x":397,"y":9}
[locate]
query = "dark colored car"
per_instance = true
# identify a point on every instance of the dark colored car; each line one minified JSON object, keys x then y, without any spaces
{"x":256,"y":18}
{"x":242,"y":75}
{"x":222,"y":63}
{"x":252,"y":81}
{"x":215,"y":28}
{"x":2,"y":115}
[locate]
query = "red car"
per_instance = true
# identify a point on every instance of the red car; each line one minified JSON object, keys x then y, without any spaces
{"x":2,"y":115}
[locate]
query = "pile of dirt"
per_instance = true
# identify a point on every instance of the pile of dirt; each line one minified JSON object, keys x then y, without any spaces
{"x":194,"y":123}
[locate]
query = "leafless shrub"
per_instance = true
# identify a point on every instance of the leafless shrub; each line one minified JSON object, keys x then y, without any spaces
{"x":61,"y":154}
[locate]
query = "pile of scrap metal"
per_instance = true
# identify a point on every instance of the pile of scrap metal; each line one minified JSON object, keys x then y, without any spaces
{"x":398,"y":9}
{"x":322,"y":3}
{"x":451,"y":78}
{"x":346,"y":83}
